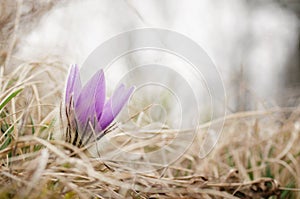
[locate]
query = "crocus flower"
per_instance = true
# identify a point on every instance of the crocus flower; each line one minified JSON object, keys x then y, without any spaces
{"x":86,"y":107}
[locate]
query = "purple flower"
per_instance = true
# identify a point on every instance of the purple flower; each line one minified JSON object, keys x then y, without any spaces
{"x":87,"y":106}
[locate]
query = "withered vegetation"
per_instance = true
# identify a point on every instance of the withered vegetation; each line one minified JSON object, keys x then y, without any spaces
{"x":257,"y":155}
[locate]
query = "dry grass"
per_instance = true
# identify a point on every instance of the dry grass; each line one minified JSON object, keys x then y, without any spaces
{"x":17,"y":18}
{"x":257,"y":155}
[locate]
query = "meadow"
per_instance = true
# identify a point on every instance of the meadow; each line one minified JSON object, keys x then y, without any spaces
{"x":256,"y":156}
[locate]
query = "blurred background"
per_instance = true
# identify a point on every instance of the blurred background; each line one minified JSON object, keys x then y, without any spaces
{"x":254,"y":43}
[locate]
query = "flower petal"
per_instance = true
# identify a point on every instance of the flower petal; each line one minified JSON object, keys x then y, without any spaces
{"x":114,"y":105}
{"x":100,"y":96}
{"x":73,"y":84}
{"x":85,"y":105}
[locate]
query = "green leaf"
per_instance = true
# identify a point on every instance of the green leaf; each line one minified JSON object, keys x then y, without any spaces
{"x":268,"y":171}
{"x":32,"y":124}
{"x":8,"y":137}
{"x":250,"y":173}
{"x":288,"y":193}
{"x":12,"y":95}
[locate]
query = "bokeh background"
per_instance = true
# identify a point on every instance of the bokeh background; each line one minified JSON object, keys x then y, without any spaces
{"x":254,"y":44}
